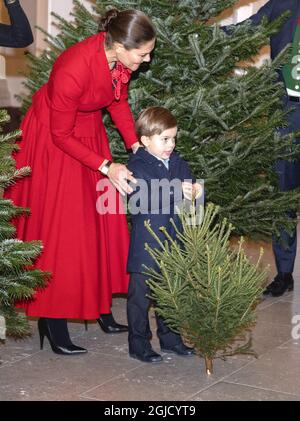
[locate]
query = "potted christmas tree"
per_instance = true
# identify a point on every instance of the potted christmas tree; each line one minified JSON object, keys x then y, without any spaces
{"x":203,"y":289}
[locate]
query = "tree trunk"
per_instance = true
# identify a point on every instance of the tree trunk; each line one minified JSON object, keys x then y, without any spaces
{"x":208,"y":365}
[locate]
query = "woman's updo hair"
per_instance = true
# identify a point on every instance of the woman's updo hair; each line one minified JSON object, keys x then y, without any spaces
{"x":131,"y":28}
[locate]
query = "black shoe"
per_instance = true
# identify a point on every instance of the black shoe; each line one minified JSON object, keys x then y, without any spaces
{"x":47,"y":328}
{"x":180,"y":349}
{"x":282,"y":282}
{"x":109,"y":325}
{"x":149,"y":356}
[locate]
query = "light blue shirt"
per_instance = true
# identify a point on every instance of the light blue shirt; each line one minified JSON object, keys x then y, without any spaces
{"x":164,"y":161}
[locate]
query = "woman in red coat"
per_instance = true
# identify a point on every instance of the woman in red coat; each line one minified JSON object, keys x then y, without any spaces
{"x":65,"y":144}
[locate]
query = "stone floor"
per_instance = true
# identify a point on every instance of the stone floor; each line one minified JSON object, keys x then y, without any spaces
{"x":106,"y":373}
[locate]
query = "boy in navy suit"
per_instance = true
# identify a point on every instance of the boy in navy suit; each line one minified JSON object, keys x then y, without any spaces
{"x":152,"y":165}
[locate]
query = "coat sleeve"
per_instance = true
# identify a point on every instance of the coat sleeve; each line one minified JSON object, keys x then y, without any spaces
{"x":141,"y":194}
{"x":264,"y":11}
{"x":64,"y":90}
{"x":186,"y":172}
{"x":18,"y":34}
{"x":122,"y":117}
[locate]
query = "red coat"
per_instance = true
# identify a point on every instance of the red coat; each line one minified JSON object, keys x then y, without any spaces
{"x":64,"y":142}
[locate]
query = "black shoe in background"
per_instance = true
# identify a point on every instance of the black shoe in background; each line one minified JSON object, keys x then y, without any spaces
{"x":282,"y":282}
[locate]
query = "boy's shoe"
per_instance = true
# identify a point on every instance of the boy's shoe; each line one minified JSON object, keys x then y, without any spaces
{"x":282,"y":282}
{"x":180,"y":349}
{"x":149,"y":356}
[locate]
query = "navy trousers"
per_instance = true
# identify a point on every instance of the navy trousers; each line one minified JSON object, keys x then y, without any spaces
{"x":285,"y":247}
{"x":139,"y":333}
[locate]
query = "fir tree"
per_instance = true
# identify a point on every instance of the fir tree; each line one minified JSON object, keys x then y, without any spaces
{"x":204,"y":290}
{"x":227,"y":122}
{"x":17,"y":281}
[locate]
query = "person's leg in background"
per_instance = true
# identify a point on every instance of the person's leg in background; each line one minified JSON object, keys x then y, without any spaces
{"x":285,"y":247}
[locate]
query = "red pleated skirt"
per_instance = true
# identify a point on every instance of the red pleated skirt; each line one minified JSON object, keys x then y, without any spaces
{"x":85,"y":252}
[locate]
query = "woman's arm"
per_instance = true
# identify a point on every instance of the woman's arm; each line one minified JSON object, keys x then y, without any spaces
{"x":64,"y":90}
{"x":18,"y":34}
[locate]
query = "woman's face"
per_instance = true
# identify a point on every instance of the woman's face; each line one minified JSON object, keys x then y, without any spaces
{"x":132,"y":59}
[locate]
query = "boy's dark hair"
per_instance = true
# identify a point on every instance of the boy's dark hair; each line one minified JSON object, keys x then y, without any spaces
{"x":132,"y":28}
{"x":154,"y":120}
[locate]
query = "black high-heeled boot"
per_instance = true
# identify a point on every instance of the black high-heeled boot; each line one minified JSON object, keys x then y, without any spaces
{"x":109,"y":325}
{"x":56,"y":331}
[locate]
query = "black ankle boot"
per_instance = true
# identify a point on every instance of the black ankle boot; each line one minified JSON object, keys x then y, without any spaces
{"x":282,"y":282}
{"x":109,"y":325}
{"x":56,"y":330}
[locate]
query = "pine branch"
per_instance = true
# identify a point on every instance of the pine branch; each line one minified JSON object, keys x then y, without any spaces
{"x":17,"y":281}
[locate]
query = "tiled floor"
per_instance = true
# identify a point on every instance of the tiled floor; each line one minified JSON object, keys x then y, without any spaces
{"x":107,"y":373}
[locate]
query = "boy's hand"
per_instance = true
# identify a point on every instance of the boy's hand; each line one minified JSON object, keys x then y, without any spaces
{"x":191,"y":191}
{"x":197,"y":190}
{"x":187,"y":189}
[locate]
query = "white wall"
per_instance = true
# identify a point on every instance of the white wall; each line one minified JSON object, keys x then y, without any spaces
{"x":39,"y":13}
{"x":63,"y":8}
{"x":241,"y":11}
{"x":246,"y":10}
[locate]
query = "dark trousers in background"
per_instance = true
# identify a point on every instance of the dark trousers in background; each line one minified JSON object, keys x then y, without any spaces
{"x":289,"y":178}
{"x":138,"y":304}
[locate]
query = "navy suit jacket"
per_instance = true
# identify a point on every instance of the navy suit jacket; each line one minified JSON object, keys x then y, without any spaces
{"x":147,"y":168}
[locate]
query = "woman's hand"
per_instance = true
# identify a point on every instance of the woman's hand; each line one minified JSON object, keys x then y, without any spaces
{"x":118,"y":175}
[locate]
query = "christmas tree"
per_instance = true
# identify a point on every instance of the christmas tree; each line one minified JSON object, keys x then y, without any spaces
{"x":227,"y":122}
{"x":204,"y":290}
{"x":17,"y":281}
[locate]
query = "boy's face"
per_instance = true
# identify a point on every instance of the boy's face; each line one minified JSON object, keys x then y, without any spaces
{"x":161,"y":145}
